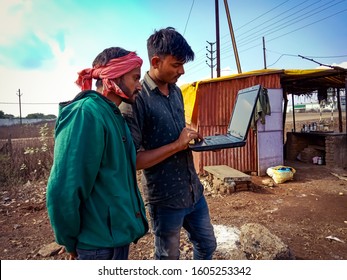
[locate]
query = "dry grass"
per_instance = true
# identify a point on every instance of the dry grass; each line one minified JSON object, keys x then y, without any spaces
{"x":29,"y":156}
{"x":26,"y":152}
{"x":23,"y":131}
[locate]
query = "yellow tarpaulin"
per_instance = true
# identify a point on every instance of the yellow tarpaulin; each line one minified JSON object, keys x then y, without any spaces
{"x":189,"y":91}
{"x":189,"y":96}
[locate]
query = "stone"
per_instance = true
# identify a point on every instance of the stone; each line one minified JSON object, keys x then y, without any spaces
{"x":225,"y":173}
{"x":50,"y":250}
{"x":242,"y":187}
{"x":258,"y":243}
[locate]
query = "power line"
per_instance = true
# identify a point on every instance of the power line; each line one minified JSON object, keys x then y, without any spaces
{"x":289,"y":22}
{"x":260,"y":16}
{"x":270,"y":29}
{"x":28,"y":103}
{"x":282,"y":55}
{"x":308,"y":24}
{"x":299,"y":28}
{"x":333,"y":56}
{"x":200,"y":60}
{"x":275,"y":24}
{"x":272,"y":19}
{"x":258,"y":25}
{"x":308,"y":56}
{"x":191,"y":8}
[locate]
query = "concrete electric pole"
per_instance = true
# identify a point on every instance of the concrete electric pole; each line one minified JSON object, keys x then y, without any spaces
{"x":210,"y":57}
{"x":20,"y":105}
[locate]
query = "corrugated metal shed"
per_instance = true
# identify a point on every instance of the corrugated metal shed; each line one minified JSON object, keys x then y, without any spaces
{"x":213,"y":107}
{"x":211,"y":103}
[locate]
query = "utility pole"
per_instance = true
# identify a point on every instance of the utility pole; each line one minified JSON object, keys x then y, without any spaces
{"x":346,"y":98}
{"x":20,"y":106}
{"x":217,"y":37}
{"x":232,"y":37}
{"x":264,"y":52}
{"x":210,"y":57}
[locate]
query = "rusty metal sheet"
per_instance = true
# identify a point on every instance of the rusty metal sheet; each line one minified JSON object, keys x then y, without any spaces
{"x":215,"y":102}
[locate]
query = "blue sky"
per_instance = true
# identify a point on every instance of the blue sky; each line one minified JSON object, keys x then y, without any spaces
{"x":43,"y":44}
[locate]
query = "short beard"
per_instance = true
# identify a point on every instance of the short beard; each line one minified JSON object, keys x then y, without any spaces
{"x":128,"y":101}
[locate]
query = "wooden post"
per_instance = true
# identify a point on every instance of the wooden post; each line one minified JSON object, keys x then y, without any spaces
{"x":293,"y":112}
{"x":346,"y":99}
{"x":217,"y":38}
{"x":264,"y":53}
{"x":339,"y":110}
{"x":233,"y":37}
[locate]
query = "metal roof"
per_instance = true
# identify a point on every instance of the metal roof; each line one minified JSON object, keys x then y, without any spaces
{"x":298,"y":81}
{"x":306,"y":81}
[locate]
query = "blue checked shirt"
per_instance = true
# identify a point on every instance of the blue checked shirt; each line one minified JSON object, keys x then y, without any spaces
{"x":156,"y":120}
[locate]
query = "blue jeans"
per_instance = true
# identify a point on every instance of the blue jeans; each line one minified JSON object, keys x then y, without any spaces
{"x":167,"y":224}
{"x":118,"y":253}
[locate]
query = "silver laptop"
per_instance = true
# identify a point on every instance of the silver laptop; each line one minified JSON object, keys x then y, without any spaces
{"x":238,"y":126}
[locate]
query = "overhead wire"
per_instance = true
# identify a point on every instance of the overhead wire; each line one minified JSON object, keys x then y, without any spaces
{"x":288,"y":23}
{"x":260,"y":16}
{"x":191,"y":8}
{"x":309,"y":24}
{"x":272,"y":19}
{"x":332,"y":56}
{"x":295,"y":55}
{"x":273,"y":28}
{"x":301,"y":28}
{"x":251,"y":21}
{"x":198,"y":61}
{"x":30,"y":103}
{"x":295,"y":20}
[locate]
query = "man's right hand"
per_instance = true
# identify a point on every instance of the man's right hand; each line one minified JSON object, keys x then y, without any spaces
{"x":146,"y":159}
{"x":72,"y":255}
{"x":186,"y":136}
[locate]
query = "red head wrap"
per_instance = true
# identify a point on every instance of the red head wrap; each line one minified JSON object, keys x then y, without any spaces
{"x":115,"y":68}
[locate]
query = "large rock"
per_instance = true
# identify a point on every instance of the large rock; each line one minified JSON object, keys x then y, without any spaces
{"x":258,"y":243}
{"x":50,"y":250}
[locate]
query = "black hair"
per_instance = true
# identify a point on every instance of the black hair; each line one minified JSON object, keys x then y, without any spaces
{"x":105,"y":56}
{"x":168,"y":41}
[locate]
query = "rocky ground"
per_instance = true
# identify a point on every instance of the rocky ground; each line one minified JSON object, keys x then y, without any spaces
{"x":308,"y":214}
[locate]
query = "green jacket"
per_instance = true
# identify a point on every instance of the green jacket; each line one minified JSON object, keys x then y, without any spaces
{"x":93,"y":200}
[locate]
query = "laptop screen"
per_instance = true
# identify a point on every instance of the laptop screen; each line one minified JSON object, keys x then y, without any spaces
{"x":243,"y":111}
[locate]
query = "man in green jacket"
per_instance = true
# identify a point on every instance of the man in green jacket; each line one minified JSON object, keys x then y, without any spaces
{"x":93,"y":201}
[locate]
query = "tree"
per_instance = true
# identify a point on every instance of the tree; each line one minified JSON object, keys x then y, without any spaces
{"x":5,"y":116}
{"x":9,"y":116}
{"x":41,"y":116}
{"x":35,"y":116}
{"x":50,"y":116}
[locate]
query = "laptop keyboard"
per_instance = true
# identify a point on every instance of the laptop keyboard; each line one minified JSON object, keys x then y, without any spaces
{"x":219,"y":139}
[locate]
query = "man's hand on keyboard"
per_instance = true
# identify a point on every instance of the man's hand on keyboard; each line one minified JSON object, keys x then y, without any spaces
{"x":187,"y":135}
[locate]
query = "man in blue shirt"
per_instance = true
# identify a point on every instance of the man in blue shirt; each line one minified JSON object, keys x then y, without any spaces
{"x":172,"y":191}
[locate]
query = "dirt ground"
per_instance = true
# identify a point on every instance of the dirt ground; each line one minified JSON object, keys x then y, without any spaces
{"x":308,"y":213}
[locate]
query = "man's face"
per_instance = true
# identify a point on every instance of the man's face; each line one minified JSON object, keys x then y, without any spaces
{"x":169,"y":69}
{"x":130,"y":84}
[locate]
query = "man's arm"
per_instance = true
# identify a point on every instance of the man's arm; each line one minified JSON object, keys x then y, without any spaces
{"x":76,"y":163}
{"x":146,"y":159}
